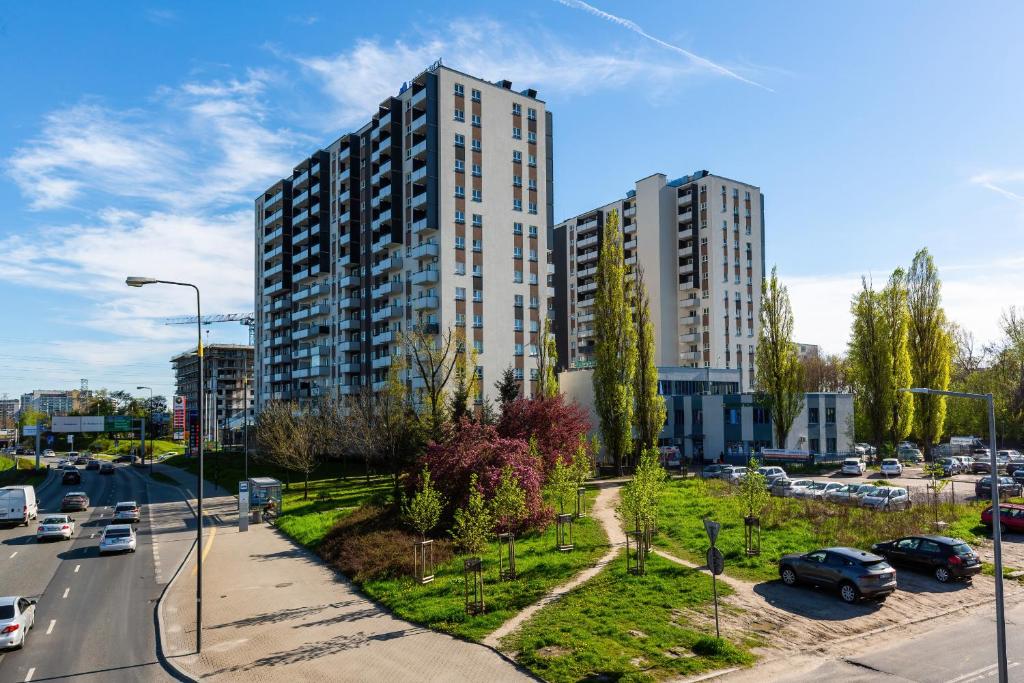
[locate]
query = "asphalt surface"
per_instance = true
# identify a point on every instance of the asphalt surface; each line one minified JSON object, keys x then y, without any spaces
{"x":95,"y":617}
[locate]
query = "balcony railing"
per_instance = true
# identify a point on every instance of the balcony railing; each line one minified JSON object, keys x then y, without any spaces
{"x":424,"y":250}
{"x":424,"y":276}
{"x":387,"y":289}
{"x":273,"y":217}
{"x":425,"y":302}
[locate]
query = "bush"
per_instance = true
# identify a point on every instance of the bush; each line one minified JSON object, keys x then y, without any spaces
{"x":554,"y":423}
{"x":720,"y":649}
{"x":479,"y":449}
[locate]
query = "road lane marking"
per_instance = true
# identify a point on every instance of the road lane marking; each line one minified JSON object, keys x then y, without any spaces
{"x":206,"y":550}
{"x":984,"y":672}
{"x":13,"y":554}
{"x":28,"y":676}
{"x":49,"y":629}
{"x":77,"y":567}
{"x":92,"y":535}
{"x":65,"y":596}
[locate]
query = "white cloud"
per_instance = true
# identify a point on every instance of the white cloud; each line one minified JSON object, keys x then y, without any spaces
{"x":997,"y":181}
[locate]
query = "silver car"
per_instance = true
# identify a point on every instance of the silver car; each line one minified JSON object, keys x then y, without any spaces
{"x":118,"y":538}
{"x":849,"y":494}
{"x":772,"y":473}
{"x":886,"y":498}
{"x":818,"y":489}
{"x":126,"y":512}
{"x":17,"y":617}
{"x":56,"y":526}
{"x":790,"y":488}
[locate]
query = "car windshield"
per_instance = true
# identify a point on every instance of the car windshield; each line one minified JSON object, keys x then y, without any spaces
{"x":851,"y":462}
{"x":803,"y":482}
{"x":890,"y":461}
{"x":125,"y":507}
{"x":817,"y":486}
{"x":6,"y":612}
{"x":54,"y":520}
{"x":117,"y":533}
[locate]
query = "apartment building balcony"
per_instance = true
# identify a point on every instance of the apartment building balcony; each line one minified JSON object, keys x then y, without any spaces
{"x":381,"y":362}
{"x":388,"y":264}
{"x":689,"y":355}
{"x":300,"y":200}
{"x":686,"y":215}
{"x":422,"y":226}
{"x":273,"y":253}
{"x":349,"y":281}
{"x":587,"y":257}
{"x":302,"y":314}
{"x":384,"y":217}
{"x":629,"y":228}
{"x":344,"y":175}
{"x":382,"y":314}
{"x":425,"y":250}
{"x":315,"y":290}
{"x":584,"y":318}
{"x":306,"y":253}
{"x":418,"y":200}
{"x":631,"y":261}
{"x":279,"y":304}
{"x":270,"y":203}
{"x":685,"y":199}
{"x":386,"y":337}
{"x":586,"y":242}
{"x":686,"y":268}
{"x":280,"y":321}
{"x":281,"y":339}
{"x":384,"y":169}
{"x":425,"y":303}
{"x":273,"y":235}
{"x":300,"y":180}
{"x":311,"y":351}
{"x":584,"y":333}
{"x":349,"y":324}
{"x":382,"y":196}
{"x":350,"y":389}
{"x":417,"y":150}
{"x":419,"y":123}
{"x":276,"y":216}
{"x":586,"y":227}
{"x":348,"y":302}
{"x":381,"y":385}
{"x":300,"y":219}
{"x":311,"y":331}
{"x":274,"y":360}
{"x":419,"y":97}
{"x":345,"y":368}
{"x":306,"y":274}
{"x":281,"y":376}
{"x":424,"y":276}
{"x":301,"y":238}
{"x":344,"y":196}
{"x":688,"y":302}
{"x":685,"y":252}
{"x":273,"y":270}
{"x":689,"y":338}
{"x":586,"y":272}
{"x":417,"y":174}
{"x":631,"y":244}
{"x":589,"y":287}
{"x":386,"y":289}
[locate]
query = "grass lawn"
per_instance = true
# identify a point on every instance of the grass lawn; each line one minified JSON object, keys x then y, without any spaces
{"x":630,"y":628}
{"x":540,"y":567}
{"x":788,"y":525}
{"x":23,"y":474}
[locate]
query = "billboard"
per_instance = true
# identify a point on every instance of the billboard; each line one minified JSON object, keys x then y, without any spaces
{"x":31,"y":430}
{"x":118,"y":423}
{"x":63,"y":423}
{"x":93,"y":423}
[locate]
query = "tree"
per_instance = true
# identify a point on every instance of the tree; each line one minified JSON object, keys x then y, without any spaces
{"x":547,"y":359}
{"x":896,"y":325}
{"x":508,"y":387}
{"x":779,"y":372}
{"x":753,"y":490}
{"x":555,"y":424}
{"x":434,"y":361}
{"x":424,"y":510}
{"x":828,"y":373}
{"x":931,"y":347}
{"x":509,"y":503}
{"x":562,"y":484}
{"x":291,"y":437}
{"x":473,"y":523}
{"x":650,"y":405}
{"x":466,"y":381}
{"x":615,"y":350}
{"x":869,"y":363}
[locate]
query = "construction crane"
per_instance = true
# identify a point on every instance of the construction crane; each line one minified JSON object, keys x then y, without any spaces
{"x":247,"y":319}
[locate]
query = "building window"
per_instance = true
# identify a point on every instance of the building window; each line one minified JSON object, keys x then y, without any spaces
{"x":532,"y":160}
{"x":534,"y":326}
{"x":460,"y":115}
{"x":517,"y":276}
{"x":460,"y":216}
{"x":476,"y":120}
{"x":830,"y":416}
{"x":476,"y":95}
{"x":517,"y":133}
{"x":460,"y":90}
{"x":517,"y":373}
{"x":460,"y":242}
{"x":460,"y":166}
{"x":460,"y":140}
{"x":533,"y":231}
{"x":478,"y":295}
{"x":533,"y":350}
{"x":460,"y":191}
{"x":517,"y":181}
{"x":531,"y":114}
{"x":812,"y":416}
{"x":533,"y":254}
{"x":478,"y":271}
{"x":532,"y":184}
{"x":477,"y":195}
{"x":517,"y":157}
{"x":460,"y":320}
{"x":517,"y":253}
{"x":478,"y":345}
{"x":517,"y":228}
{"x":460,"y":293}
{"x":477,"y":171}
{"x":531,"y":137}
{"x":478,"y":246}
{"x":517,"y":110}
{"x":533,"y":207}
{"x":517,"y":204}
{"x":517,"y":325}
{"x":460,"y":268}
{"x":476,"y":145}
{"x":478,"y":220}
{"x":478,"y":320}
{"x":815,"y":445}
{"x":534,"y":303}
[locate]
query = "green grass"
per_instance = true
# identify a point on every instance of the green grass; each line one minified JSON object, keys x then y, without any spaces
{"x":630,"y":628}
{"x":21,"y":475}
{"x":540,"y":567}
{"x":788,"y":526}
{"x":6,"y":463}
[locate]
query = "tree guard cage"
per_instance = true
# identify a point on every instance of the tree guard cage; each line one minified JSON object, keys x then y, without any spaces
{"x":636,"y":553}
{"x":581,"y":501}
{"x":752,"y":535}
{"x":506,"y":556}
{"x":423,"y":561}
{"x":473,"y":583}
{"x":563,"y":532}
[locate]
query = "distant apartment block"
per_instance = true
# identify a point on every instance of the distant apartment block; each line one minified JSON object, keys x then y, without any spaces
{"x":700,"y":242}
{"x":228,"y":388}
{"x":805,"y":351}
{"x":55,"y":401}
{"x":9,"y":408}
{"x":434,"y":215}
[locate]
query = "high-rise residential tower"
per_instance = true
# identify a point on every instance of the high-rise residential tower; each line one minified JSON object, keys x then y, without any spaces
{"x":700,"y":242}
{"x":434,"y":215}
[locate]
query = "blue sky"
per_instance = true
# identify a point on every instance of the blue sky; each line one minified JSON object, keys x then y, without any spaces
{"x":134,"y":136}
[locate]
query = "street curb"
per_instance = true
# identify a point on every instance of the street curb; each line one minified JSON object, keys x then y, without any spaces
{"x":708,"y":676}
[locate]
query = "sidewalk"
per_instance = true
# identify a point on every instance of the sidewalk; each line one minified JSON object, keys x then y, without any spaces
{"x":274,"y":610}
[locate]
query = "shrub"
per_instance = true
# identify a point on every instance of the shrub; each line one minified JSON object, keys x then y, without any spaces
{"x":479,"y":449}
{"x":473,"y":522}
{"x":556,"y":425}
{"x":718,"y":648}
{"x":424,"y":510}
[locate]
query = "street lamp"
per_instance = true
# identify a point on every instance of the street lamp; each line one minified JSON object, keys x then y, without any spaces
{"x":139,"y":282}
{"x":997,"y":545}
{"x":149,"y":414}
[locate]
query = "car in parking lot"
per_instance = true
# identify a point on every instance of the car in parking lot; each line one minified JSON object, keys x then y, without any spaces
{"x":48,"y":453}
{"x":788,"y":488}
{"x":819,"y":489}
{"x":117,"y":538}
{"x":1008,"y":488}
{"x":891,"y":467}
{"x":56,"y":526}
{"x":74,"y":501}
{"x":949,"y":466}
{"x":772,"y":473}
{"x":106,"y":468}
{"x":984,"y":465}
{"x":126,"y":512}
{"x":944,"y":557}
{"x":855,"y":573}
{"x":72,"y":476}
{"x":854,"y":466}
{"x":886,"y":498}
{"x":17,"y":617}
{"x":716,"y":471}
{"x":735,"y":475}
{"x":849,"y":494}
{"x":92,"y":465}
{"x":863,"y":449}
{"x":910,"y":455}
{"x":1011,"y":517}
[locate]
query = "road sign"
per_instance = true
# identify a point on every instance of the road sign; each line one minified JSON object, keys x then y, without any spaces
{"x":712,"y":528}
{"x":716,"y":561}
{"x":30,"y":430}
{"x":118,"y":423}
{"x":49,"y":439}
{"x":65,"y":423}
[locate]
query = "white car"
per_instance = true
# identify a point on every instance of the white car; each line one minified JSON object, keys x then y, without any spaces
{"x":736,"y":475}
{"x":790,"y":488}
{"x":56,"y":526}
{"x":17,"y":617}
{"x":819,"y":489}
{"x":886,"y":498}
{"x":117,"y":538}
{"x":854,"y":466}
{"x":772,"y":473}
{"x":892,"y":467}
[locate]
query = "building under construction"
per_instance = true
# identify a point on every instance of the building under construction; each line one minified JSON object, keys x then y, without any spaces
{"x":228,"y":388}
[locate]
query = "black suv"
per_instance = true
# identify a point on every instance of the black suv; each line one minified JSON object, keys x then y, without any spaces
{"x":944,"y":557}
{"x":854,"y":572}
{"x":71,"y":477}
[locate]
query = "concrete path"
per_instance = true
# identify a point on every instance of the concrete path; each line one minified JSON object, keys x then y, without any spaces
{"x":604,"y":511}
{"x":274,"y":611}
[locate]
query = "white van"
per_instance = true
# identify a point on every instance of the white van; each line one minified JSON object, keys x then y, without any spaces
{"x":18,"y":504}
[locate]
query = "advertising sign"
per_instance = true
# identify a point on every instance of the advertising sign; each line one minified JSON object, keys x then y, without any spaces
{"x":66,"y":424}
{"x":93,"y":423}
{"x":783,"y":455}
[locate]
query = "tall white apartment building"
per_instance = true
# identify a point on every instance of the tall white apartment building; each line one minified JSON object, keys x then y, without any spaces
{"x":433,"y":215}
{"x":700,"y":242}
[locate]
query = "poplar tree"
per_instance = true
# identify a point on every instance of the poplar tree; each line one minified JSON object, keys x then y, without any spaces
{"x":867,"y":357}
{"x":780,"y":375}
{"x":650,"y":405}
{"x":547,"y":359}
{"x":615,"y":348}
{"x":896,"y":324}
{"x":931,"y":347}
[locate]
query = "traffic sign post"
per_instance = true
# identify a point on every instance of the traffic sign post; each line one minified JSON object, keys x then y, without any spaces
{"x":716,"y":564}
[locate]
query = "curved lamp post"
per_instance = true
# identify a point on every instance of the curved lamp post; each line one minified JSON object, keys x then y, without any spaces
{"x":140,"y":282}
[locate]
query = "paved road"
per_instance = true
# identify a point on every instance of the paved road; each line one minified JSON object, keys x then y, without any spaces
{"x":95,"y":616}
